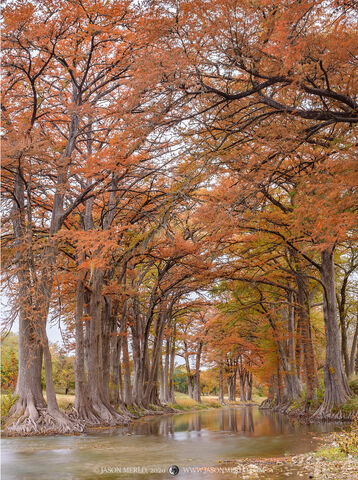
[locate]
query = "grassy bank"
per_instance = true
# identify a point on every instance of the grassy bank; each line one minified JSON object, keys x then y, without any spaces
{"x":185,"y":403}
{"x":182,"y":402}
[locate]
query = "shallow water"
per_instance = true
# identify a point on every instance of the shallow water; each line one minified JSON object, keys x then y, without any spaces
{"x":145,"y":449}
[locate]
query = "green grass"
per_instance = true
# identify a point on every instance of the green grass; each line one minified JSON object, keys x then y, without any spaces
{"x":330,"y":453}
{"x":351,"y":405}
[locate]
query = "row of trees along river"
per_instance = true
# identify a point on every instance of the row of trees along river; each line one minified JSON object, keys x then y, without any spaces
{"x":180,"y":178}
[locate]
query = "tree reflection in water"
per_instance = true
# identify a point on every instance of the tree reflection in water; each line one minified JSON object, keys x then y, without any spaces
{"x":248,"y":421}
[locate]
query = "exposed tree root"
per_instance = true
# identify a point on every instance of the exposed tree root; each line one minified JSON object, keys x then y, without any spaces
{"x":329,"y":413}
{"x":86,"y":415}
{"x":325,"y":413}
{"x":40,"y":421}
{"x":109,"y":416}
{"x":267,"y":404}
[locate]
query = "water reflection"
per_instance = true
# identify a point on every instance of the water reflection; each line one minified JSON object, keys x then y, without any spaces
{"x":204,"y":438}
{"x":248,"y":421}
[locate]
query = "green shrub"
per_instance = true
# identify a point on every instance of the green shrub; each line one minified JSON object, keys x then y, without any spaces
{"x":7,"y":401}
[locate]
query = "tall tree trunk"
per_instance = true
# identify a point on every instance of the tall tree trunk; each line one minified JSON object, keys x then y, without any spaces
{"x":354,"y":347}
{"x":231,"y":381}
{"x":107,"y":320}
{"x":82,"y":403}
{"x":171,"y":365}
{"x":151,"y":391}
{"x":249,"y":387}
{"x":127,"y":389}
{"x":293,"y":388}
{"x":303,"y":310}
{"x":164,"y":386}
{"x":337,"y":391}
{"x":100,"y":404}
{"x":196,"y":392}
{"x":188,"y":371}
{"x":221,"y":384}
{"x":242,"y":378}
{"x":116,"y":381}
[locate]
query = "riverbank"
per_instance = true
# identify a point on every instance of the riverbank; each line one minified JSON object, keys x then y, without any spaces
{"x":183,"y":403}
{"x":245,"y":443}
{"x":336,"y":459}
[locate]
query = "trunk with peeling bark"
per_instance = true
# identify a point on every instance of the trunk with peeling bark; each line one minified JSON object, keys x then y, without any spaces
{"x":231,"y":367}
{"x":99,"y":402}
{"x":249,"y":386}
{"x":303,"y":311}
{"x":83,"y":407}
{"x":26,"y":411}
{"x":196,"y":391}
{"x":151,"y":395}
{"x":188,"y":371}
{"x":116,"y":383}
{"x":293,"y":388}
{"x":337,"y":391}
{"x":30,"y":414}
{"x":127,"y":388}
{"x":354,"y":349}
{"x":242,"y":388}
{"x":107,"y":321}
{"x":242,"y":372}
{"x":164,"y":379}
{"x":221,"y":384}
{"x":171,"y":366}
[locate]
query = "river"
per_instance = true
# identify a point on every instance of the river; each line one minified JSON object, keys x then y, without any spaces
{"x":201,"y":441}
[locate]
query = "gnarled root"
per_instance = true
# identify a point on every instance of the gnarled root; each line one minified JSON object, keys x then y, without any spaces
{"x":267,"y":404}
{"x":32,"y":420}
{"x":85,"y":414}
{"x":108,"y":415}
{"x":330,"y":413}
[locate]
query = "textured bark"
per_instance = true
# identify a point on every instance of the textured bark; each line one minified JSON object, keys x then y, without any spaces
{"x":337,"y":391}
{"x":221,"y":384}
{"x":242,"y":388}
{"x":107,"y":320}
{"x":249,"y":387}
{"x":164,"y":368}
{"x":231,"y":385}
{"x":30,"y":414}
{"x":83,"y":408}
{"x":151,"y":395}
{"x":303,"y":311}
{"x":196,"y":378}
{"x":136,"y":329}
{"x":242,"y":372}
{"x":116,"y":390}
{"x":127,"y":388}
{"x":353,"y":348}
{"x":188,"y":371}
{"x":98,"y":400}
{"x":171,"y":366}
{"x":293,"y":388}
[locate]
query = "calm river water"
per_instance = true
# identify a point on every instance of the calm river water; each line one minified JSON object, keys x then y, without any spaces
{"x":145,"y":449}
